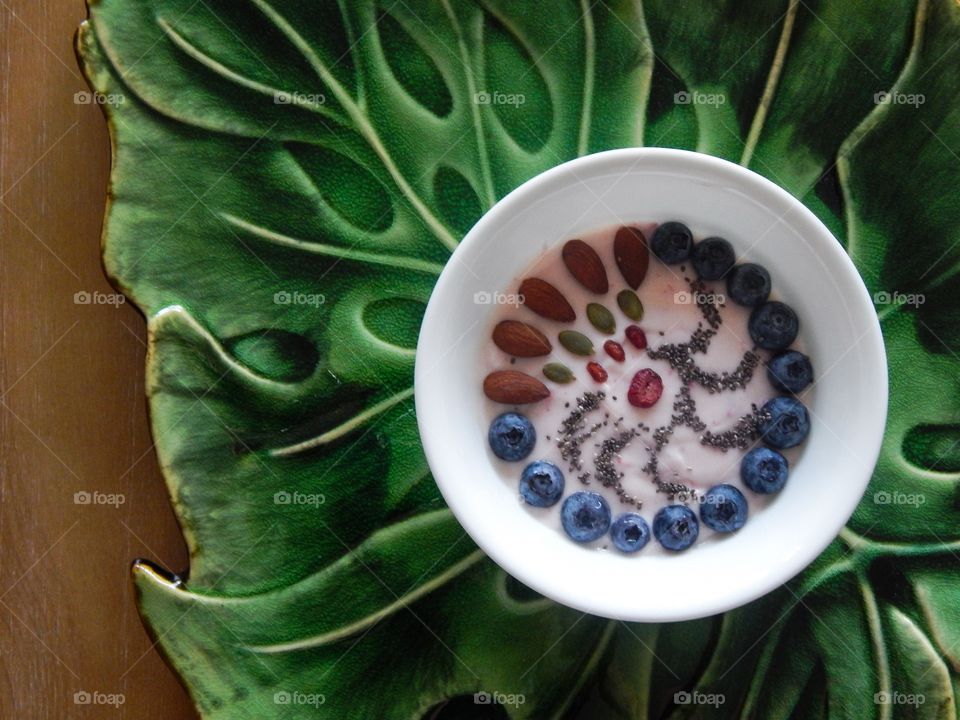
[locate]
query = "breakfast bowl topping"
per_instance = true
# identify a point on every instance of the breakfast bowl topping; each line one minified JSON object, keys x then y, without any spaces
{"x":679,"y":422}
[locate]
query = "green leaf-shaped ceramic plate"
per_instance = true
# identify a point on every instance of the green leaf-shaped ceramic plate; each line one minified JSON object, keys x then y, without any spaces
{"x":290,"y":177}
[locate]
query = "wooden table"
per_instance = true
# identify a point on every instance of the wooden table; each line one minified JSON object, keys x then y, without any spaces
{"x":72,"y":410}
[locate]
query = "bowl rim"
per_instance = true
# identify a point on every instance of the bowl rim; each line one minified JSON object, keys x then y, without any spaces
{"x":859,"y":305}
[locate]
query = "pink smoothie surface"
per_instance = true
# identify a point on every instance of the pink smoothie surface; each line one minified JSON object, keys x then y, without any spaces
{"x":670,"y":316}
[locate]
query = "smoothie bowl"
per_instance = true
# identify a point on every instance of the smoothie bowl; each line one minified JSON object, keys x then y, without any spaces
{"x":651,"y":385}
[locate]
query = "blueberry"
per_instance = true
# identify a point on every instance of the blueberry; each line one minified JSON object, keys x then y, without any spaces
{"x":541,"y":484}
{"x":675,"y":527}
{"x":511,"y":436}
{"x":724,"y":509}
{"x":790,"y":371}
{"x":748,"y":284}
{"x":788,"y":424}
{"x":585,"y":516}
{"x":773,"y":325}
{"x":672,"y":242}
{"x":764,"y":470}
{"x":630,"y":533}
{"x":713,"y":258}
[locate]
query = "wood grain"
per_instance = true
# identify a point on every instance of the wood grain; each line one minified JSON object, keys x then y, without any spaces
{"x":72,"y":411}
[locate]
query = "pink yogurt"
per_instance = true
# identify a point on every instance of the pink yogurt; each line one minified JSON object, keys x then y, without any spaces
{"x":670,"y":316}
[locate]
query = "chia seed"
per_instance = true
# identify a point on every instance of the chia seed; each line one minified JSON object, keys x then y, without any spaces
{"x":572,"y":434}
{"x":679,"y":357}
{"x":606,"y":473}
{"x":573,"y":431}
{"x":707,"y":302}
{"x":685,"y":411}
{"x":675,"y":491}
{"x":743,"y":433}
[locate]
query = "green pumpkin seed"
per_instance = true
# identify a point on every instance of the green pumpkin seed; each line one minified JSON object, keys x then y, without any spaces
{"x":577,"y":343}
{"x":630,"y":304}
{"x":601,"y":318}
{"x":558,"y":372}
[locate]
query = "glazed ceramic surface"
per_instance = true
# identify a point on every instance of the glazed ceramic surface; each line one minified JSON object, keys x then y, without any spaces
{"x":810,"y":270}
{"x":289,"y":181}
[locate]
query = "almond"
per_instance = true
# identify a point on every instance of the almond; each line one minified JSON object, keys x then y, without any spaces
{"x":521,"y":340}
{"x":545,"y":300}
{"x":585,"y":265}
{"x":632,"y":256}
{"x":513,"y":388}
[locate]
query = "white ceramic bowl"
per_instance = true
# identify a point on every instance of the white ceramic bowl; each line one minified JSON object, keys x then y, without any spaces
{"x":811,"y":272}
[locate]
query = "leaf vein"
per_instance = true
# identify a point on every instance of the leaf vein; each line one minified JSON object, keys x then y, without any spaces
{"x":361,"y":120}
{"x":344,"y":428}
{"x":399,"y":262}
{"x":373,"y":618}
